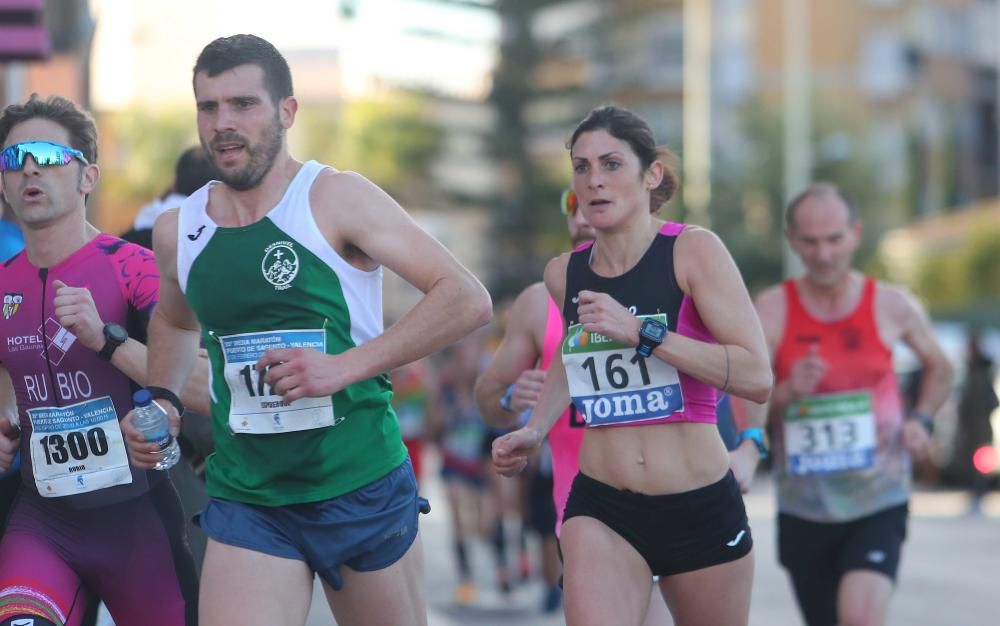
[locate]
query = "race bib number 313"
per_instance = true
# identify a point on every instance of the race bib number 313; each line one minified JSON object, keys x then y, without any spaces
{"x":254,"y":407}
{"x":611,"y":384}
{"x":830,"y":433}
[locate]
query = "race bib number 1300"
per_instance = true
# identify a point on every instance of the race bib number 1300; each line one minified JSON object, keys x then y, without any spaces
{"x":77,"y":448}
{"x":254,"y":407}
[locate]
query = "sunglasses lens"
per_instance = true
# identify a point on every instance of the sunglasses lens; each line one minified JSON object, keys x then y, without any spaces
{"x":43,"y":152}
{"x":50,"y":155}
{"x":569,"y":203}
{"x":9,"y":159}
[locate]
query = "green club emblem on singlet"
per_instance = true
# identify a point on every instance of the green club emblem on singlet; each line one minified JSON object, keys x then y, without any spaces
{"x":280,"y":264}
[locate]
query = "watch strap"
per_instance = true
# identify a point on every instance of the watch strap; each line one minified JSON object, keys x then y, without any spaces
{"x":924,"y":419}
{"x":162,"y":393}
{"x":505,"y":400}
{"x":106,"y":352}
{"x":111,"y":343}
{"x":756,"y":435}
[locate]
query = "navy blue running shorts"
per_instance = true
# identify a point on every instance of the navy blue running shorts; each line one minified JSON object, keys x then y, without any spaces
{"x":367,"y":529}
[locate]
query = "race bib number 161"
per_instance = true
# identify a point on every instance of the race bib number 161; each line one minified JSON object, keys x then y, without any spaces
{"x":611,"y":384}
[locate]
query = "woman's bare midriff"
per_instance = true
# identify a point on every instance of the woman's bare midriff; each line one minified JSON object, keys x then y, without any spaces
{"x":657,"y":459}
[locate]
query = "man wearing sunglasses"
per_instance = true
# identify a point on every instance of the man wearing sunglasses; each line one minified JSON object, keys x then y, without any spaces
{"x":76,"y":304}
{"x":279,"y":268}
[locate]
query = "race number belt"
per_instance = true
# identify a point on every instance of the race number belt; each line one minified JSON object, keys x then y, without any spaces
{"x":611,"y":384}
{"x":254,"y":408}
{"x":830,"y":433}
{"x":77,"y":448}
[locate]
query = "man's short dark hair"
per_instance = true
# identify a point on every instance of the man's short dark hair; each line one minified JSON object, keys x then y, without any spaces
{"x":193,"y":171}
{"x":77,"y":122}
{"x":820,"y":189}
{"x":225,"y":53}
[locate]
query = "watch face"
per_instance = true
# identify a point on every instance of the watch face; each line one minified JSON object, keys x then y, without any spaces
{"x":654,"y":331}
{"x":115,"y":333}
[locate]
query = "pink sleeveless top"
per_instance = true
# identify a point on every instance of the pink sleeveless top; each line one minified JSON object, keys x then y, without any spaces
{"x":566,"y":436}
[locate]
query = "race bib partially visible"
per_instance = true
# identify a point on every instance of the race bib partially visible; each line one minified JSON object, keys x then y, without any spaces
{"x":830,"y":433}
{"x":410,"y":413}
{"x":254,"y":408}
{"x":464,"y":440}
{"x":77,"y":448}
{"x":611,"y":384}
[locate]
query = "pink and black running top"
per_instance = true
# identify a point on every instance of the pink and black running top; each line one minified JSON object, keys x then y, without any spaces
{"x":609,"y":383}
{"x":69,"y":400}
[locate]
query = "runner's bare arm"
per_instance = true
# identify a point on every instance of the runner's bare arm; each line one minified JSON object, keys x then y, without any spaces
{"x":9,"y":422}
{"x":355,"y":215}
{"x":770,"y":309}
{"x":917,"y":334}
{"x":174,"y":360}
{"x":707,"y":272}
{"x":8,"y":401}
{"x":511,"y":451}
{"x":770,"y":306}
{"x":76,"y":311}
{"x":554,"y":397}
{"x":519,"y":350}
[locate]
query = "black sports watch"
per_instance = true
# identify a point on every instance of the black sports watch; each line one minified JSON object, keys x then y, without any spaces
{"x":114,"y":336}
{"x":651,"y":334}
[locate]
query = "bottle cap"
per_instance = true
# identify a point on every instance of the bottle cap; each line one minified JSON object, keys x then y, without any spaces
{"x":142,"y":398}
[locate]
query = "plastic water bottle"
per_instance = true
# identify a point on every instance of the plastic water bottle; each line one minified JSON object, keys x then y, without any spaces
{"x":152,"y":422}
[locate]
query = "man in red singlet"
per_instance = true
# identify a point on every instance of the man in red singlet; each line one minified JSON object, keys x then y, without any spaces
{"x":842,"y":442}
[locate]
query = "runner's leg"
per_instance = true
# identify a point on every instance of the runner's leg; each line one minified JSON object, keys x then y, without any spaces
{"x":694,"y":597}
{"x":249,"y":588}
{"x":606,"y":581}
{"x":393,"y":596}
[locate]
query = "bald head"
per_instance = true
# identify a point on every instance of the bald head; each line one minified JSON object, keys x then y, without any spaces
{"x":824,"y":230}
{"x":831,"y":197}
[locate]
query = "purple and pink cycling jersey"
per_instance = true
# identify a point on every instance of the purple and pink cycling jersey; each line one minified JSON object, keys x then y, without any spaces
{"x":85,"y":514}
{"x":68,"y":399}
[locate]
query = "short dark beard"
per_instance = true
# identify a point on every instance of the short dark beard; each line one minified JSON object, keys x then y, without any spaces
{"x":261,"y":160}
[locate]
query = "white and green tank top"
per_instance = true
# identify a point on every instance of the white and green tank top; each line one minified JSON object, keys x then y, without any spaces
{"x":273,"y":284}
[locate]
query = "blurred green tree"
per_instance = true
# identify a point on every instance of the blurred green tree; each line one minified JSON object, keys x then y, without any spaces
{"x":526,"y":209}
{"x":963,"y":282}
{"x":138,"y":150}
{"x":389,"y":139}
{"x":747,"y":206}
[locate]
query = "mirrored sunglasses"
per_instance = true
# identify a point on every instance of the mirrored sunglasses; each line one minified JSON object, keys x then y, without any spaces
{"x":44,"y":153}
{"x":568,"y":203}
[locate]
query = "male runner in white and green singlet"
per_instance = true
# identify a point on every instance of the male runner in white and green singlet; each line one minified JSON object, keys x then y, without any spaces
{"x":280,"y":266}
